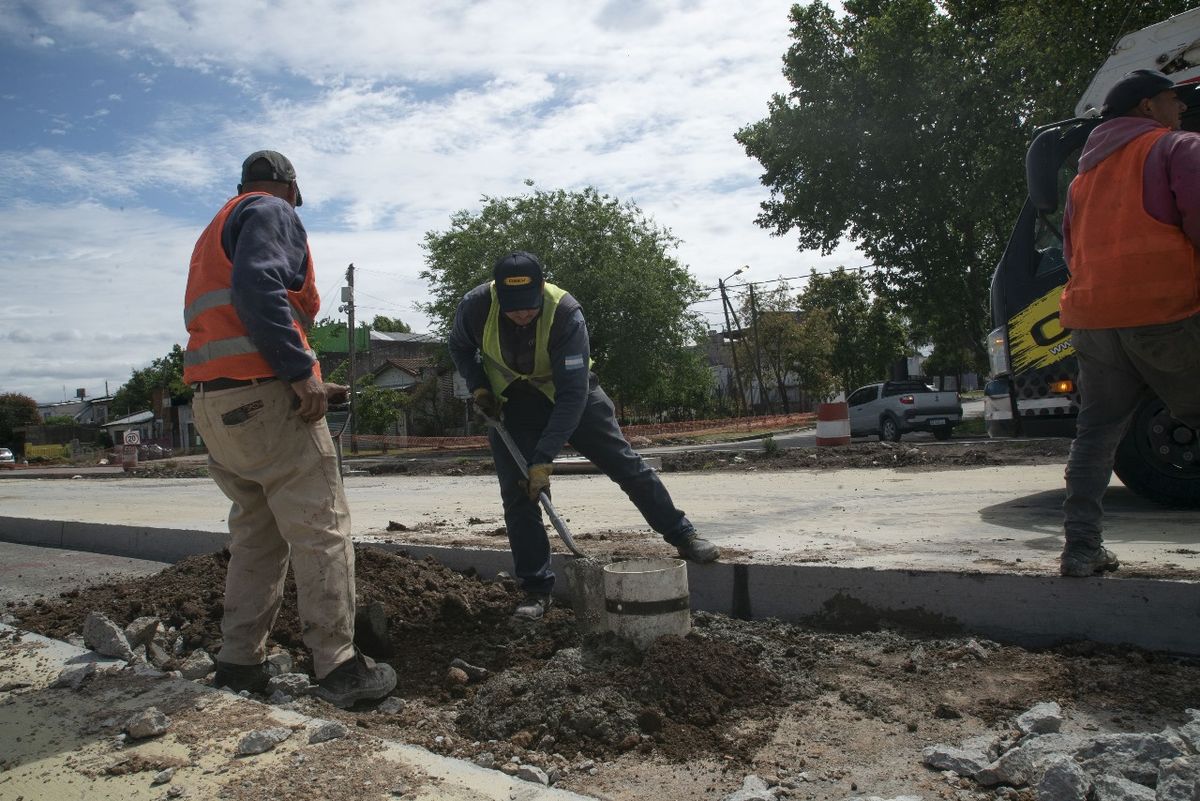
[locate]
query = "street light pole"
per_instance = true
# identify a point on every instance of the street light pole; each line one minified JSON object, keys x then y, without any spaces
{"x":726,"y":307}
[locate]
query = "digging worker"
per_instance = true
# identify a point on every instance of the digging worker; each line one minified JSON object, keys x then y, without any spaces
{"x":522,"y":346}
{"x":1131,"y":233}
{"x":260,"y":405}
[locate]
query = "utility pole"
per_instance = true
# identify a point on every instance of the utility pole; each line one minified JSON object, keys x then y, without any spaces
{"x":348,"y":306}
{"x":762,"y":388}
{"x":737,"y":373}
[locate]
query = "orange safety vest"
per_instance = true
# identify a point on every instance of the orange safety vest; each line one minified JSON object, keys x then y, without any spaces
{"x":219,"y":346}
{"x":1127,"y":268}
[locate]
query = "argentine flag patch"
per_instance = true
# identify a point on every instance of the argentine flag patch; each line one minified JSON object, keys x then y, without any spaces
{"x":573,"y":362}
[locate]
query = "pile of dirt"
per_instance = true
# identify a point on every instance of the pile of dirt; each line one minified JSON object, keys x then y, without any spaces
{"x":832,"y":711}
{"x":867,"y":455}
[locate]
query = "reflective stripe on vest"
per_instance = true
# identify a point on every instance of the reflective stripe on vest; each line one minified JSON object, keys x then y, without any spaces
{"x":499,"y":374}
{"x":218,"y":345}
{"x":1127,"y":268}
{"x":224,"y":297}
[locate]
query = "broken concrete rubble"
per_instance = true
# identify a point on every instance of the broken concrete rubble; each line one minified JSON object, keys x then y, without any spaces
{"x":198,"y":665}
{"x":293,"y":684}
{"x":325,"y":730}
{"x":262,"y":740}
{"x":1041,"y":719}
{"x":753,"y":789}
{"x":150,"y":722}
{"x":105,"y":637}
{"x":1073,"y":767}
{"x":141,"y":631}
{"x":73,"y":676}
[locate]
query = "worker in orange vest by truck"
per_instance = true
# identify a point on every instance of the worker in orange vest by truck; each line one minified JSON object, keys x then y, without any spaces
{"x":260,"y":405}
{"x":1132,"y":303}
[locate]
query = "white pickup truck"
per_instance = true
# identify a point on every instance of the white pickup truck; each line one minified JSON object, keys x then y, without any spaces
{"x":893,"y":408}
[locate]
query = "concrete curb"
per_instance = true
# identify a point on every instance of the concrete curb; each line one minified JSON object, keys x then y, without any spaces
{"x":1033,"y":611}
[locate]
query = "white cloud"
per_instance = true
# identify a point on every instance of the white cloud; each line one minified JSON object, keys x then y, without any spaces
{"x":405,"y":114}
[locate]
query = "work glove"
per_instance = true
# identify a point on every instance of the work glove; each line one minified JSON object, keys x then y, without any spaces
{"x":486,"y":403}
{"x":539,"y":480}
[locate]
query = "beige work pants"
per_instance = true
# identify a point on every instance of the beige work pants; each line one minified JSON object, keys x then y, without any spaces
{"x":282,"y":476}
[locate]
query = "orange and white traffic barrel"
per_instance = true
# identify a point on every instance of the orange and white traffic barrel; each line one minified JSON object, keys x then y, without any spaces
{"x":833,"y":424}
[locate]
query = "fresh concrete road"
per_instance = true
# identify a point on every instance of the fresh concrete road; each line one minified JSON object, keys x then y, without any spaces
{"x":991,"y":519}
{"x":27,"y":572}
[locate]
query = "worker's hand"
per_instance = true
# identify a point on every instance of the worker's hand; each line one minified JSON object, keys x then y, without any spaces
{"x":539,"y":480}
{"x":486,"y":403}
{"x":311,"y":401}
{"x":337,"y":394}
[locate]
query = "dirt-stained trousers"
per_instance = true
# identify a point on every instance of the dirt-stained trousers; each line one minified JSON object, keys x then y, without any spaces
{"x":288,"y":505}
{"x":1117,"y":366}
{"x":597,"y":438}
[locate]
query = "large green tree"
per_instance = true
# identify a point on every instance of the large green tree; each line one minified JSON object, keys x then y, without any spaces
{"x":613,"y":258}
{"x":905,"y":128}
{"x":16,"y":410}
{"x":867,"y":334}
{"x":167,"y":372}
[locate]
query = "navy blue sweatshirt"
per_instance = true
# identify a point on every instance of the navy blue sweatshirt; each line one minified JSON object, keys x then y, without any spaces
{"x":268,"y":246}
{"x":570,"y":353}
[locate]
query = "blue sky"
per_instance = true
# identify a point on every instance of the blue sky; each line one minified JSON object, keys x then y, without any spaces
{"x":126,"y":121}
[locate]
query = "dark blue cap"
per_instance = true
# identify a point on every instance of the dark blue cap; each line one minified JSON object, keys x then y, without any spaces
{"x":518,"y":278}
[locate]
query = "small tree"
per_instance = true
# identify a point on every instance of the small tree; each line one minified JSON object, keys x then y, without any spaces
{"x":135,"y":394}
{"x":378,"y":408}
{"x":813,"y":355}
{"x":868,"y":336}
{"x":390,"y":324}
{"x":16,"y":410}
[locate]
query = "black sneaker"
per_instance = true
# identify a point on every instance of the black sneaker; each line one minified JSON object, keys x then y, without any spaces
{"x":359,"y":678}
{"x":1081,"y":561}
{"x":695,"y":548}
{"x":253,"y":678}
{"x":533,"y":607}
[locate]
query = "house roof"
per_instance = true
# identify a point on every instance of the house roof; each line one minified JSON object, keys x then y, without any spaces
{"x":396,"y":336}
{"x":131,"y":420}
{"x":411,"y":366}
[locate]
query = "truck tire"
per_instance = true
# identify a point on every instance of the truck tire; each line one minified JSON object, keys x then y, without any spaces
{"x":942,"y":432}
{"x":889,"y":429}
{"x":1151,"y":458}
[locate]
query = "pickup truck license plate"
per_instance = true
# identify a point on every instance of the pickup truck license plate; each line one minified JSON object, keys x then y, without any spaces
{"x":937,"y":421}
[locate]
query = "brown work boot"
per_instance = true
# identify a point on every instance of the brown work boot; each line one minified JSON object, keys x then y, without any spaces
{"x":359,"y":678}
{"x":1081,"y":561}
{"x":252,"y":678}
{"x":695,"y":548}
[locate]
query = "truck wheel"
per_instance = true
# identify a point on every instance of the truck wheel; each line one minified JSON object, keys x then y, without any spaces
{"x":942,"y":432}
{"x":1159,"y":457}
{"x":889,"y":429}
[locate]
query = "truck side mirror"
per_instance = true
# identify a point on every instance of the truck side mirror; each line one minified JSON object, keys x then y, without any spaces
{"x":1041,"y":171}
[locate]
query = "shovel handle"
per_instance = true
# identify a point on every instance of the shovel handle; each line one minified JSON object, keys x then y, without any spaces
{"x":559,"y":524}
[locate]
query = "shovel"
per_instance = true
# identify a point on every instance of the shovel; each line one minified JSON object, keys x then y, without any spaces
{"x":559,"y":525}
{"x":585,"y":575}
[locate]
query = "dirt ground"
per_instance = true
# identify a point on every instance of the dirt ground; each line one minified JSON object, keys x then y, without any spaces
{"x":917,"y":455}
{"x":829,"y":714}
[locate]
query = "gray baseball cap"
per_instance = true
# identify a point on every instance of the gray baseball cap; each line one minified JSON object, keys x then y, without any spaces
{"x":269,"y":165}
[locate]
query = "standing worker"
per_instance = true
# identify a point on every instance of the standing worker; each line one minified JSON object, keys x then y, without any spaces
{"x":1130,"y":237}
{"x":260,"y":405}
{"x":522,"y":346}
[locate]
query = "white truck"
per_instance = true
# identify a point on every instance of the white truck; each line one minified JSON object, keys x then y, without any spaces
{"x":1033,"y":389}
{"x":894,"y":408}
